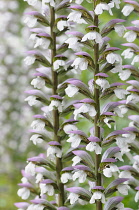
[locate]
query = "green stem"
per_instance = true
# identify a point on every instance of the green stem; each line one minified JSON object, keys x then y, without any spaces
{"x":55,"y":112}
{"x":97,"y":117}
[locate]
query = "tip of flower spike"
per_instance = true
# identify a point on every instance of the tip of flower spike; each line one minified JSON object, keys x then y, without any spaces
{"x":27,"y":185}
{"x":109,"y":160}
{"x":101,"y":75}
{"x":85,"y":54}
{"x":98,"y":188}
{"x":47,"y":181}
{"x":137,"y":188}
{"x":117,"y":84}
{"x":54,"y":143}
{"x":21,"y":205}
{"x":94,"y":139}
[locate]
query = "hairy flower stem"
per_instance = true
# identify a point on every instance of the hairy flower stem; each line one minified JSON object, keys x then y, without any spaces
{"x":55,"y":112}
{"x":97,"y":117}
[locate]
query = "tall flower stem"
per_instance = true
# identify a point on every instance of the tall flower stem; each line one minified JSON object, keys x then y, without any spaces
{"x":97,"y":117}
{"x":55,"y":112}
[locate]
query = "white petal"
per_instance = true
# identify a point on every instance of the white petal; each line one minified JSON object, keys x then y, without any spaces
{"x":130,"y":36}
{"x":127,"y":10}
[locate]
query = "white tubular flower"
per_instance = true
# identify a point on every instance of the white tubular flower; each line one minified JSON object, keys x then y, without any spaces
{"x":119,"y":29}
{"x":113,"y":57}
{"x":93,"y":146}
{"x":38,"y":125}
{"x":127,"y":9}
{"x":46,"y":188}
{"x":74,"y":140}
{"x":24,"y":180}
{"x":39,"y":177}
{"x":30,"y":169}
{"x":128,"y":53}
{"x":124,"y":75}
{"x":36,"y":139}
{"x":58,"y":64}
{"x":85,"y":108}
{"x":130,"y":36}
{"x":76,"y":160}
{"x":55,"y":104}
{"x":125,"y":174}
{"x":97,"y":196}
{"x":38,"y":82}
{"x":73,"y":43}
{"x":122,"y":144}
{"x":102,"y":6}
{"x":136,"y":59}
{"x":80,"y":63}
{"x":75,"y":16}
{"x":81,"y":175}
{"x":30,"y":21}
{"x":24,"y":193}
{"x":137,"y":197}
{"x":116,"y":2}
{"x":54,"y":151}
{"x":108,"y":172}
{"x":123,"y":189}
{"x":93,"y":36}
{"x":42,"y":42}
{"x":133,"y":97}
{"x":32,"y":2}
{"x":69,"y":127}
{"x":73,"y":198}
{"x":120,"y":93}
{"x":71,"y":90}
{"x":32,"y":100}
{"x":103,"y":83}
{"x":51,"y":2}
{"x":120,"y":206}
{"x":62,"y":24}
{"x":118,"y":156}
{"x":117,"y":68}
{"x":29,"y":60}
{"x":65,"y":177}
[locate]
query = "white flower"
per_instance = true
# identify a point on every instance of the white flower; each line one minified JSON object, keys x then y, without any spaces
{"x":133,"y":98}
{"x":85,"y":108}
{"x":108,"y":172}
{"x":80,"y":63}
{"x":77,"y":1}
{"x":71,"y":90}
{"x":42,"y":42}
{"x":29,"y":60}
{"x":137,"y":196}
{"x":55,"y":104}
{"x":124,"y":75}
{"x":30,"y":169}
{"x":39,"y":177}
{"x":120,"y":93}
{"x":113,"y":57}
{"x":93,"y":36}
{"x":119,"y":29}
{"x":128,"y":53}
{"x":93,"y":146}
{"x":32,"y":2}
{"x":38,"y":125}
{"x":46,"y":188}
{"x":38,"y":82}
{"x":73,"y":43}
{"x":24,"y":180}
{"x":73,"y":198}
{"x":51,"y":2}
{"x":76,"y":160}
{"x":118,"y":156}
{"x":81,"y":175}
{"x":74,"y":139}
{"x":117,"y":68}
{"x":24,"y":193}
{"x":54,"y":150}
{"x":65,"y":177}
{"x":127,"y":10}
{"x":58,"y":63}
{"x":62,"y":24}
{"x":30,"y":21}
{"x":130,"y":36}
{"x":122,"y":144}
{"x":36,"y":139}
{"x":35,"y":207}
{"x":116,"y":2}
{"x":123,"y":189}
{"x":102,"y":6}
{"x":97,"y":196}
{"x":120,"y":206}
{"x":125,"y":174}
{"x":69,"y":127}
{"x":32,"y":100}
{"x":75,"y":16}
{"x":103,"y":83}
{"x":136,"y":59}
